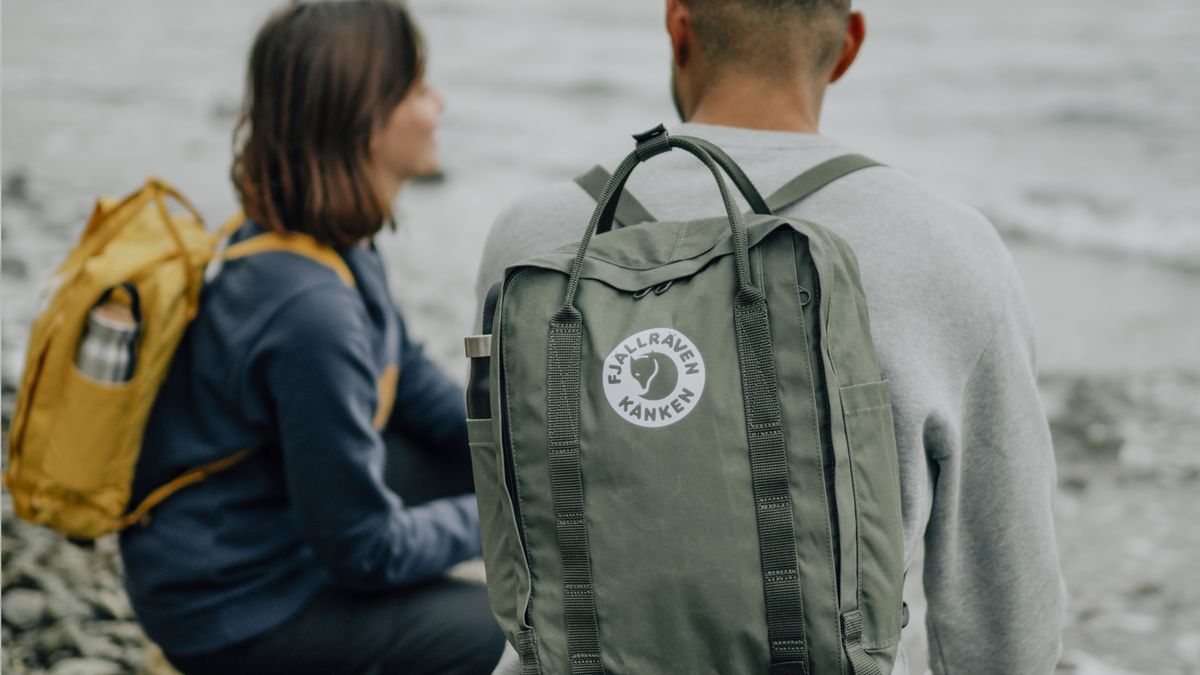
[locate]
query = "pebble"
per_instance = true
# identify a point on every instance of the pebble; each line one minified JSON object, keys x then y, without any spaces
{"x":86,"y":666}
{"x":24,"y":608}
{"x":99,"y":647}
{"x":64,"y":610}
{"x":54,"y":639}
{"x":111,"y":604}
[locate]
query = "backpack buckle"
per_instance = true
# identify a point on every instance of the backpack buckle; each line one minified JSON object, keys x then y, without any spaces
{"x":652,"y":142}
{"x":648,"y":134}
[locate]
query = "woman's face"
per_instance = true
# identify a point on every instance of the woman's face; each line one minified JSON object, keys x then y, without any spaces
{"x":404,"y":147}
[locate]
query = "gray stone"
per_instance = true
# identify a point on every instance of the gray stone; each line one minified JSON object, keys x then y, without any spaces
{"x":52,"y":640}
{"x":97,"y":646}
{"x":121,"y":631}
{"x":24,"y":608}
{"x":110,"y":604}
{"x":65,"y":603}
{"x":86,"y":666}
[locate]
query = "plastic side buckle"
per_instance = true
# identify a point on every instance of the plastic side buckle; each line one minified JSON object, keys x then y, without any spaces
{"x":652,"y":142}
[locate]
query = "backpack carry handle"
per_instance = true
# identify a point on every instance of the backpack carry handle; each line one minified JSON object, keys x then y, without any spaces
{"x":651,"y":143}
{"x":754,"y":198}
{"x":193,"y":272}
{"x":740,"y":180}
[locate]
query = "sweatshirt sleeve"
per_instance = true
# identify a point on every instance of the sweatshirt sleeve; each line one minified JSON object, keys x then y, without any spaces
{"x":430,"y":407}
{"x":317,"y":367}
{"x":996,"y":599}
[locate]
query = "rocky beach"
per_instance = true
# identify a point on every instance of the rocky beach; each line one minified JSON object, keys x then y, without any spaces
{"x":1073,"y":127}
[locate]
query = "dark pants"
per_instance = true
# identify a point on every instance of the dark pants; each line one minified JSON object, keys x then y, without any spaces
{"x":437,"y":627}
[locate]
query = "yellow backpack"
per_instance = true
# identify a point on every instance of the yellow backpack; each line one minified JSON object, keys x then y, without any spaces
{"x":74,"y":441}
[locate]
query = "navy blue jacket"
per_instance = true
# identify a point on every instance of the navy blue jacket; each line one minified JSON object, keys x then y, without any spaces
{"x":286,"y":357}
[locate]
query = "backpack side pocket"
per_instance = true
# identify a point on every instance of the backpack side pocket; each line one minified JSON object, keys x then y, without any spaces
{"x":876,"y":479}
{"x":503,"y":557}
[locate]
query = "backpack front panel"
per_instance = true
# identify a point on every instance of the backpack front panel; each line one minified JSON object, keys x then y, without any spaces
{"x":669,"y":506}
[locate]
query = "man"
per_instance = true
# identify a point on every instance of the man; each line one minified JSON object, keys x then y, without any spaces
{"x":949,"y":317}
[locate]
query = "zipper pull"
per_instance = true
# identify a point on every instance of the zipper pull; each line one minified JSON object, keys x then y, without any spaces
{"x":658,"y":289}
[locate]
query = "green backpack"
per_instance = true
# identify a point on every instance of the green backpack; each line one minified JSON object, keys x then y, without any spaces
{"x":683,"y":447}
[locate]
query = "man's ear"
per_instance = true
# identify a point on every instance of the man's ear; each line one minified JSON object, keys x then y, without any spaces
{"x":856,"y":32}
{"x":680,"y":28}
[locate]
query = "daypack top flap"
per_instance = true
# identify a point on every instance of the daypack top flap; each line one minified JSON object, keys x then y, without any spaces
{"x":634,"y":258}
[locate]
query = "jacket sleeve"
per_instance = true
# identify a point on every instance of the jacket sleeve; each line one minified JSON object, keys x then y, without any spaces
{"x":318,"y":370}
{"x":430,"y":408}
{"x":996,"y":599}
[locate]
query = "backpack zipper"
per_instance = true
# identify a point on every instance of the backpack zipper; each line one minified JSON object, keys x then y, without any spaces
{"x":814,"y":341}
{"x":510,"y":475}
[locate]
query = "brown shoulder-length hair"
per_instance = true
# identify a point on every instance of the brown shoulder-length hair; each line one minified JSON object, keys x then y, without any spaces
{"x":322,"y":77}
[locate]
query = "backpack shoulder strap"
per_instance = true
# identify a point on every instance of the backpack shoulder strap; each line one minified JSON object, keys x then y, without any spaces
{"x":141,"y":512}
{"x":296,"y":243}
{"x":804,"y":185}
{"x":629,"y":210}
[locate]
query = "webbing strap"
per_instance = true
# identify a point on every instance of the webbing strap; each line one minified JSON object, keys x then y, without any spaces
{"x":816,"y":178}
{"x":225,"y":231}
{"x":629,"y":210}
{"x":190,"y":477}
{"x":527,"y":651}
{"x":772,"y":496}
{"x":566,"y":489}
{"x":860,"y":662}
{"x":296,"y":243}
{"x":795,"y":190}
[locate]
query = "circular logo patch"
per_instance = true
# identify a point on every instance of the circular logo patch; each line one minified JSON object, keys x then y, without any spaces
{"x":654,"y":378}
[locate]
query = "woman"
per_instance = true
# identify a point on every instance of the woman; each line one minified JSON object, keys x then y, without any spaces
{"x":301,"y":558}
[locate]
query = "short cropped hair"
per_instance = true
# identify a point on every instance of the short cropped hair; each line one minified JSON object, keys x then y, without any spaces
{"x":772,"y":36}
{"x":322,"y":77}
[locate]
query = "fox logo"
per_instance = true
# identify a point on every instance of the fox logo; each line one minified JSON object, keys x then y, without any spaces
{"x":654,"y":378}
{"x":656,"y":373}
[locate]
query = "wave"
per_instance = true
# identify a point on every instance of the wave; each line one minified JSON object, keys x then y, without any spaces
{"x":1086,"y":223}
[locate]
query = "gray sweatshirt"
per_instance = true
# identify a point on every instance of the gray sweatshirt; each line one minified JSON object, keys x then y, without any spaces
{"x":954,"y":336}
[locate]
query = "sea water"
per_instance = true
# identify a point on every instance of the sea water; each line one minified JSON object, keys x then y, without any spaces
{"x":1073,"y":125}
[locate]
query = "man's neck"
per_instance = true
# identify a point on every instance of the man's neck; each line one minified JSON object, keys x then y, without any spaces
{"x":758,"y":104}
